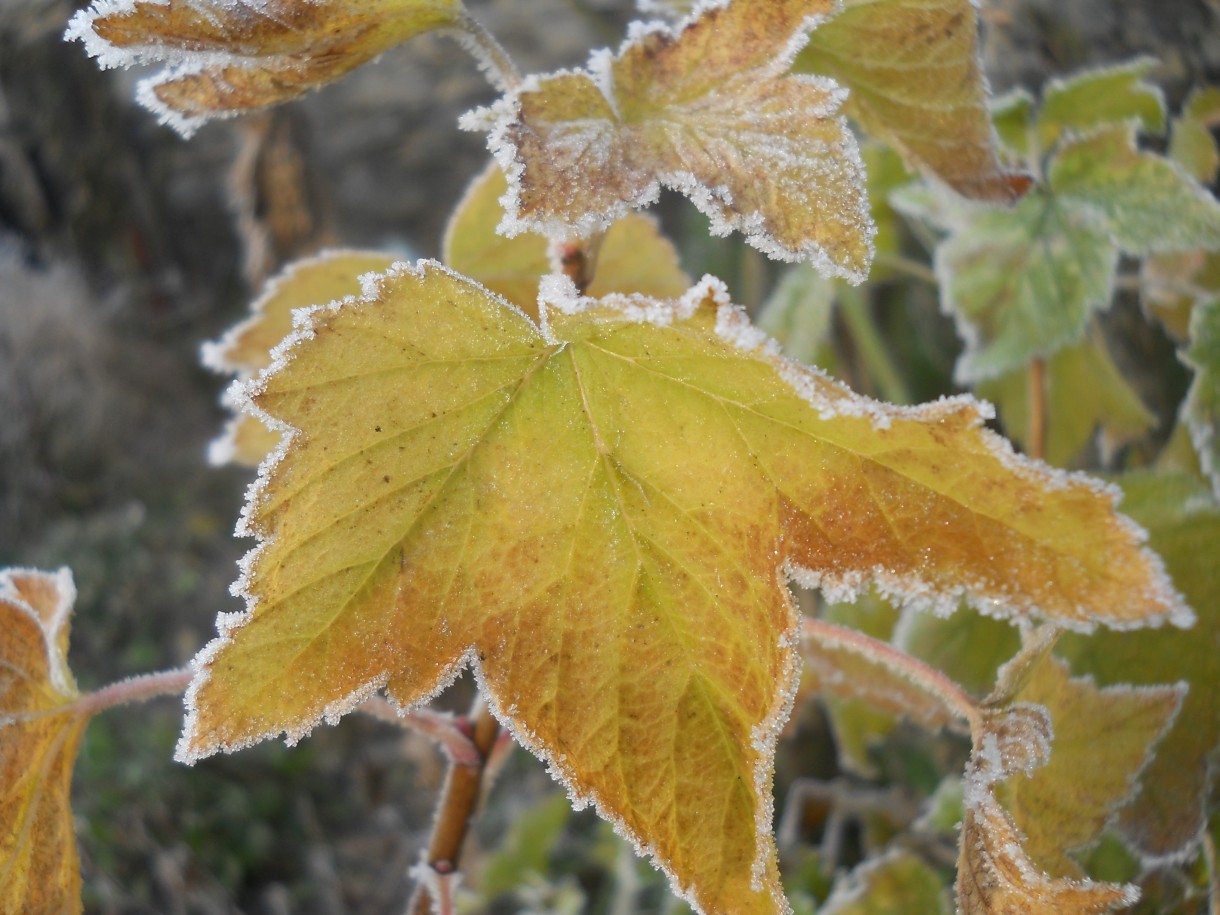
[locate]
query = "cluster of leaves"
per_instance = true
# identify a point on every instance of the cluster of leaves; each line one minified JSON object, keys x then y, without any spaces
{"x":556,"y":461}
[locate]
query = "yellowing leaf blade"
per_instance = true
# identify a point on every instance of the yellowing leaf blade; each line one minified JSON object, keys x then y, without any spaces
{"x":707,"y":112}
{"x":913,"y":70}
{"x":1103,"y":739}
{"x":1166,"y":818}
{"x":39,"y":738}
{"x":597,"y":518}
{"x":226,"y":58}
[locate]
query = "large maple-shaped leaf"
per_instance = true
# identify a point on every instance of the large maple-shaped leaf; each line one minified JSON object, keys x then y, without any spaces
{"x":913,"y":71}
{"x":40,"y":732}
{"x":707,"y":110}
{"x":596,"y":516}
{"x":230,"y":56}
{"x":1167,"y":816}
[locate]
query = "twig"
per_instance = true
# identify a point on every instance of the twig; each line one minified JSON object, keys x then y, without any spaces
{"x":134,"y":689}
{"x":441,"y":727}
{"x":854,"y":307}
{"x":1037,"y":408}
{"x":483,"y":46}
{"x":459,"y":797}
{"x":916,"y":671}
{"x":577,"y":260}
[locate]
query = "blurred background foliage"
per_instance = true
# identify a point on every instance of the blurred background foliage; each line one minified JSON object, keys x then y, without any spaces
{"x":122,"y":248}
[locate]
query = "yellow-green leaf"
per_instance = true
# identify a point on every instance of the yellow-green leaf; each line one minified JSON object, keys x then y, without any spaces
{"x":227,"y":58}
{"x":1201,"y":409}
{"x":995,"y":875}
{"x":967,"y":646}
{"x":246,"y":348}
{"x":1150,"y":202}
{"x":1022,"y":282}
{"x":634,"y":256}
{"x":898,"y":883}
{"x":1166,"y":817}
{"x":596,"y":515}
{"x":1085,"y":392}
{"x":1103,"y":738}
{"x":40,"y":734}
{"x":1085,"y":101}
{"x":1191,"y":141}
{"x":705,"y":110}
{"x":916,"y":82}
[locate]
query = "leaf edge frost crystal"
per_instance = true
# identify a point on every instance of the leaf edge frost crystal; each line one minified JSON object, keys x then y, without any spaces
{"x":704,"y":627}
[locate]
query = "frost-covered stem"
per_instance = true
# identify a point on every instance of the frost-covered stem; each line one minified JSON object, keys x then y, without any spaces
{"x":1037,"y":408}
{"x":441,"y":727}
{"x":483,"y":46}
{"x":916,"y":671}
{"x":577,"y":259}
{"x":458,"y":800}
{"x":873,"y":353}
{"x":135,"y":689}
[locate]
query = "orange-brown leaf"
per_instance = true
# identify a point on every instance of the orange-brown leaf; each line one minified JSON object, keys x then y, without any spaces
{"x":230,"y":57}
{"x":706,"y":111}
{"x":916,"y":82}
{"x":39,"y":737}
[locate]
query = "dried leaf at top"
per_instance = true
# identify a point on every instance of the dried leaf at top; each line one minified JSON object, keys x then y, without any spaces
{"x":231,"y":56}
{"x":597,"y":519}
{"x":634,"y":257}
{"x":706,"y":111}
{"x":916,"y":82}
{"x":39,"y":738}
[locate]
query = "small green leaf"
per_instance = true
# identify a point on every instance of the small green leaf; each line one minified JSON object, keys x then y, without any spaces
{"x":1012,"y":114}
{"x":1201,"y":409}
{"x":1151,"y":203}
{"x":1191,"y":141}
{"x":798,"y":314}
{"x":1086,"y":101}
{"x":1022,"y":282}
{"x":967,"y":646}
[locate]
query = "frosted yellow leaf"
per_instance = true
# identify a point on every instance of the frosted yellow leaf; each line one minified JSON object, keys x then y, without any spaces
{"x":39,"y":737}
{"x":916,"y":82}
{"x":247,"y":347}
{"x":995,"y":875}
{"x":705,"y":109}
{"x":1103,"y":739}
{"x":596,"y":516}
{"x":230,"y":56}
{"x":634,"y":256}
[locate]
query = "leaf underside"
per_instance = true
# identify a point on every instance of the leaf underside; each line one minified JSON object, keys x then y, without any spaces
{"x":597,"y":519}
